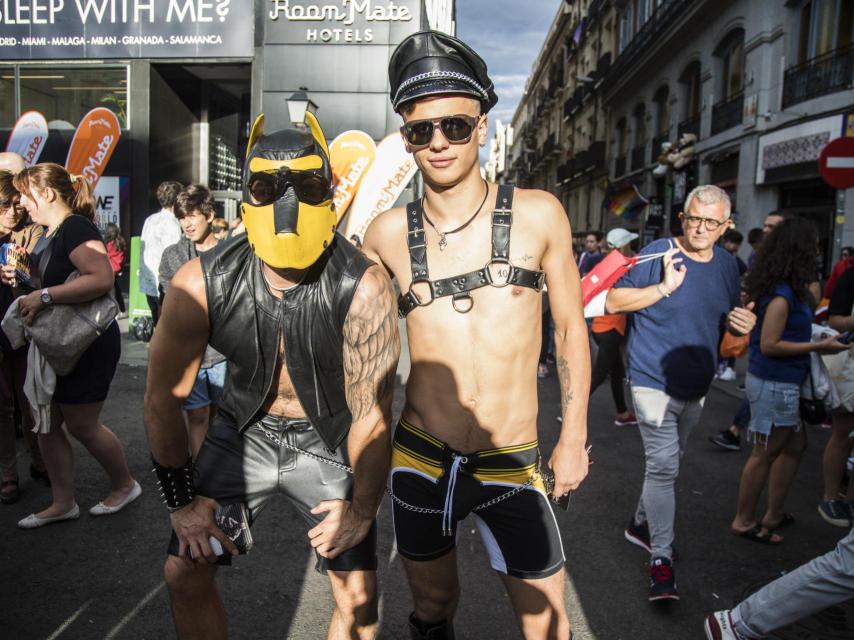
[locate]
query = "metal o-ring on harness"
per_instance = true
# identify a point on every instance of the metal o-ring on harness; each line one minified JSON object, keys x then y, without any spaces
{"x":489,"y":272}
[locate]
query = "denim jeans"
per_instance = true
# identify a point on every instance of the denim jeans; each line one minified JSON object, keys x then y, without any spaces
{"x":665,"y":424}
{"x":816,"y":585}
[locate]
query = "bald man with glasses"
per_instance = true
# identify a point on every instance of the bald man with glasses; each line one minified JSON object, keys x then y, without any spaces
{"x":678,"y":306}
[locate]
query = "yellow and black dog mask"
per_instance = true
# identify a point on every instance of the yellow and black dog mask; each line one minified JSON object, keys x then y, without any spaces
{"x":287,"y":195}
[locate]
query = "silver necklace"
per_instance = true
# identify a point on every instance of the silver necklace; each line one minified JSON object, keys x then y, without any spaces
{"x":443,"y":242}
{"x":280,"y":289}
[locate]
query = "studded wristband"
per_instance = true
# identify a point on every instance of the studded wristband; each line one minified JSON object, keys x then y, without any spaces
{"x":175,"y":483}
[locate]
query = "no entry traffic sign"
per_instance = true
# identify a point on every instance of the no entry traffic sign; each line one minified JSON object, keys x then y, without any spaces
{"x":836,"y":163}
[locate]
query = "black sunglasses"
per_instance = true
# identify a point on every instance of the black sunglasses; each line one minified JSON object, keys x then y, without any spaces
{"x":265,"y":187}
{"x":457,"y":129}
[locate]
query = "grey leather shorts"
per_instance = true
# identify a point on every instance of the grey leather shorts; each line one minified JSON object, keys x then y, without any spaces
{"x":251,"y":467}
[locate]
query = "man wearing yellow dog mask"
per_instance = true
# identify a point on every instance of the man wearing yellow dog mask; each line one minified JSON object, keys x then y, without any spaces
{"x":309,"y":327}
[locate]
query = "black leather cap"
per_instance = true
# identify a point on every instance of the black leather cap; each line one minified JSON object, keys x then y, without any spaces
{"x":430,"y":63}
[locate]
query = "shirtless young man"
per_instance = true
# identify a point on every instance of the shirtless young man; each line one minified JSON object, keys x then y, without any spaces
{"x":468,"y":433}
{"x":308,"y":326}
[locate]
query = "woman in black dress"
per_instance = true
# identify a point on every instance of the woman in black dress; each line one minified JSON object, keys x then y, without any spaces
{"x":64,"y":206}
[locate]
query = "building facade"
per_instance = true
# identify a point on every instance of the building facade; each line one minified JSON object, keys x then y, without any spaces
{"x":186,"y":78}
{"x":746,"y":93}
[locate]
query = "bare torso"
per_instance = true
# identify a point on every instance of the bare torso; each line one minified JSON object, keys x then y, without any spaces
{"x":473,"y":381}
{"x":282,"y":398}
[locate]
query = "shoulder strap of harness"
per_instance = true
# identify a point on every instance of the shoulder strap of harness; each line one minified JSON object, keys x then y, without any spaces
{"x":417,"y":241}
{"x":502,"y":220}
{"x":460,"y":286}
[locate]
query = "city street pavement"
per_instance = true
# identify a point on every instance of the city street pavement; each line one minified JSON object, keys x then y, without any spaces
{"x":101,"y":578}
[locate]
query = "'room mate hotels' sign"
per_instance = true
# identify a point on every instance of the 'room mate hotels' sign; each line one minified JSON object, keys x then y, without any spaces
{"x":339,"y":21}
{"x":70,"y":29}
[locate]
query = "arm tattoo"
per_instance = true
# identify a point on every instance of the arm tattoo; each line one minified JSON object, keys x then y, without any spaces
{"x":566,"y":393}
{"x":371,"y":345}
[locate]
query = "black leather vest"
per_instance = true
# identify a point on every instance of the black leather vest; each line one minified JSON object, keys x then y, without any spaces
{"x":246,"y":321}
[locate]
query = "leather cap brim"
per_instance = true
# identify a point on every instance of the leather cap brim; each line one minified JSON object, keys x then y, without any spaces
{"x":430,"y":63}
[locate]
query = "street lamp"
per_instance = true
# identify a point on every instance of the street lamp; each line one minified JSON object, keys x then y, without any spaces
{"x":298,"y":104}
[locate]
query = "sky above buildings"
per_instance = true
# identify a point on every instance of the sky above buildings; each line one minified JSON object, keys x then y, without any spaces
{"x":508,"y":34}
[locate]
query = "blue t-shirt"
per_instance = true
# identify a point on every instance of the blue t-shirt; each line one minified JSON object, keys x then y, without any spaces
{"x":673,"y":344}
{"x":798,"y":329}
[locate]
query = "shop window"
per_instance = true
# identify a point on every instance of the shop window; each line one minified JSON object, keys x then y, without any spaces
{"x":64,"y":95}
{"x":644,"y":12}
{"x":730,"y":54}
{"x":626,"y":23}
{"x":825,"y":25}
{"x":639,"y":116}
{"x":662,"y":108}
{"x":622,"y":137}
{"x":690,"y":81}
{"x":7,"y":97}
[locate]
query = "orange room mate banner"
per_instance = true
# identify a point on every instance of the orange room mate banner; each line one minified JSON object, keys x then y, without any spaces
{"x":93,"y":144}
{"x":352,"y":154}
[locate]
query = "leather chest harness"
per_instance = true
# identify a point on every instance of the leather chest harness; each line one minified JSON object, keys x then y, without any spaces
{"x":460,"y":287}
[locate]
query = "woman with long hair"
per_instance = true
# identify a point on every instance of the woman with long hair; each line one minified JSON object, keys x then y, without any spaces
{"x":64,"y":206}
{"x":778,"y":284}
{"x":15,"y":229}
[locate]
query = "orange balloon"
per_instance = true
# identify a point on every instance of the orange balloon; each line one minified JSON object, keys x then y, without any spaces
{"x":351,"y":154}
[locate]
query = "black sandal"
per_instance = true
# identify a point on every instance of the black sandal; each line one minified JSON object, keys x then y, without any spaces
{"x":9,"y":497}
{"x":761,"y":535}
{"x":787,"y":519}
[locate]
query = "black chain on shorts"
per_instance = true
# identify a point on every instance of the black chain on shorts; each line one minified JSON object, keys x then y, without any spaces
{"x":409,"y":507}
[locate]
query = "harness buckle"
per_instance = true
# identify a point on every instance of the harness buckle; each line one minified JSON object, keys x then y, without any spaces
{"x":502,"y":212}
{"x":492,"y":269}
{"x":414,"y":294}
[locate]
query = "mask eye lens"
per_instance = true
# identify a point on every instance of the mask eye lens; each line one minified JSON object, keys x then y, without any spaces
{"x":456,"y":129}
{"x":262,"y":188}
{"x":311,"y":188}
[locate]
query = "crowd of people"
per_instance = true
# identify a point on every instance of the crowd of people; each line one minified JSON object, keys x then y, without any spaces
{"x":272,"y":367}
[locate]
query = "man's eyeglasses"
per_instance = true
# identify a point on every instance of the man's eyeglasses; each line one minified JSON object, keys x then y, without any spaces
{"x":265,"y":187}
{"x":710,"y":223}
{"x":457,"y":129}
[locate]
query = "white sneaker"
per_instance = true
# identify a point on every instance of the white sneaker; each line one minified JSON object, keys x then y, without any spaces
{"x":718,"y":626}
{"x":727,"y":375}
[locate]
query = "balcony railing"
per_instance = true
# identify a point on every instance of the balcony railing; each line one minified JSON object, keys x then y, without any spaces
{"x":619,"y":166}
{"x":649,"y":37}
{"x":691,"y":125}
{"x":639,"y":157}
{"x":727,"y":113}
{"x":828,"y":73}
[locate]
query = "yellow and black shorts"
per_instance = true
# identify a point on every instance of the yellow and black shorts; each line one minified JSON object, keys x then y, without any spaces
{"x":435,"y":487}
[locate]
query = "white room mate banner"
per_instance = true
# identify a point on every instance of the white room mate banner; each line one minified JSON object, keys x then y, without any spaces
{"x":392,"y":170}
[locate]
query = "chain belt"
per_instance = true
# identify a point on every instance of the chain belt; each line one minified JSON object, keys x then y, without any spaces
{"x":409,"y":507}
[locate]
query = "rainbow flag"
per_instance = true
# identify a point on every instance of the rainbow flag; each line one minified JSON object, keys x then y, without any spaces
{"x":624,"y":201}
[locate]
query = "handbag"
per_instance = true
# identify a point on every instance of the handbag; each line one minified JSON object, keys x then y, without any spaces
{"x":733,"y":346}
{"x":812,"y":411}
{"x":63,"y":332}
